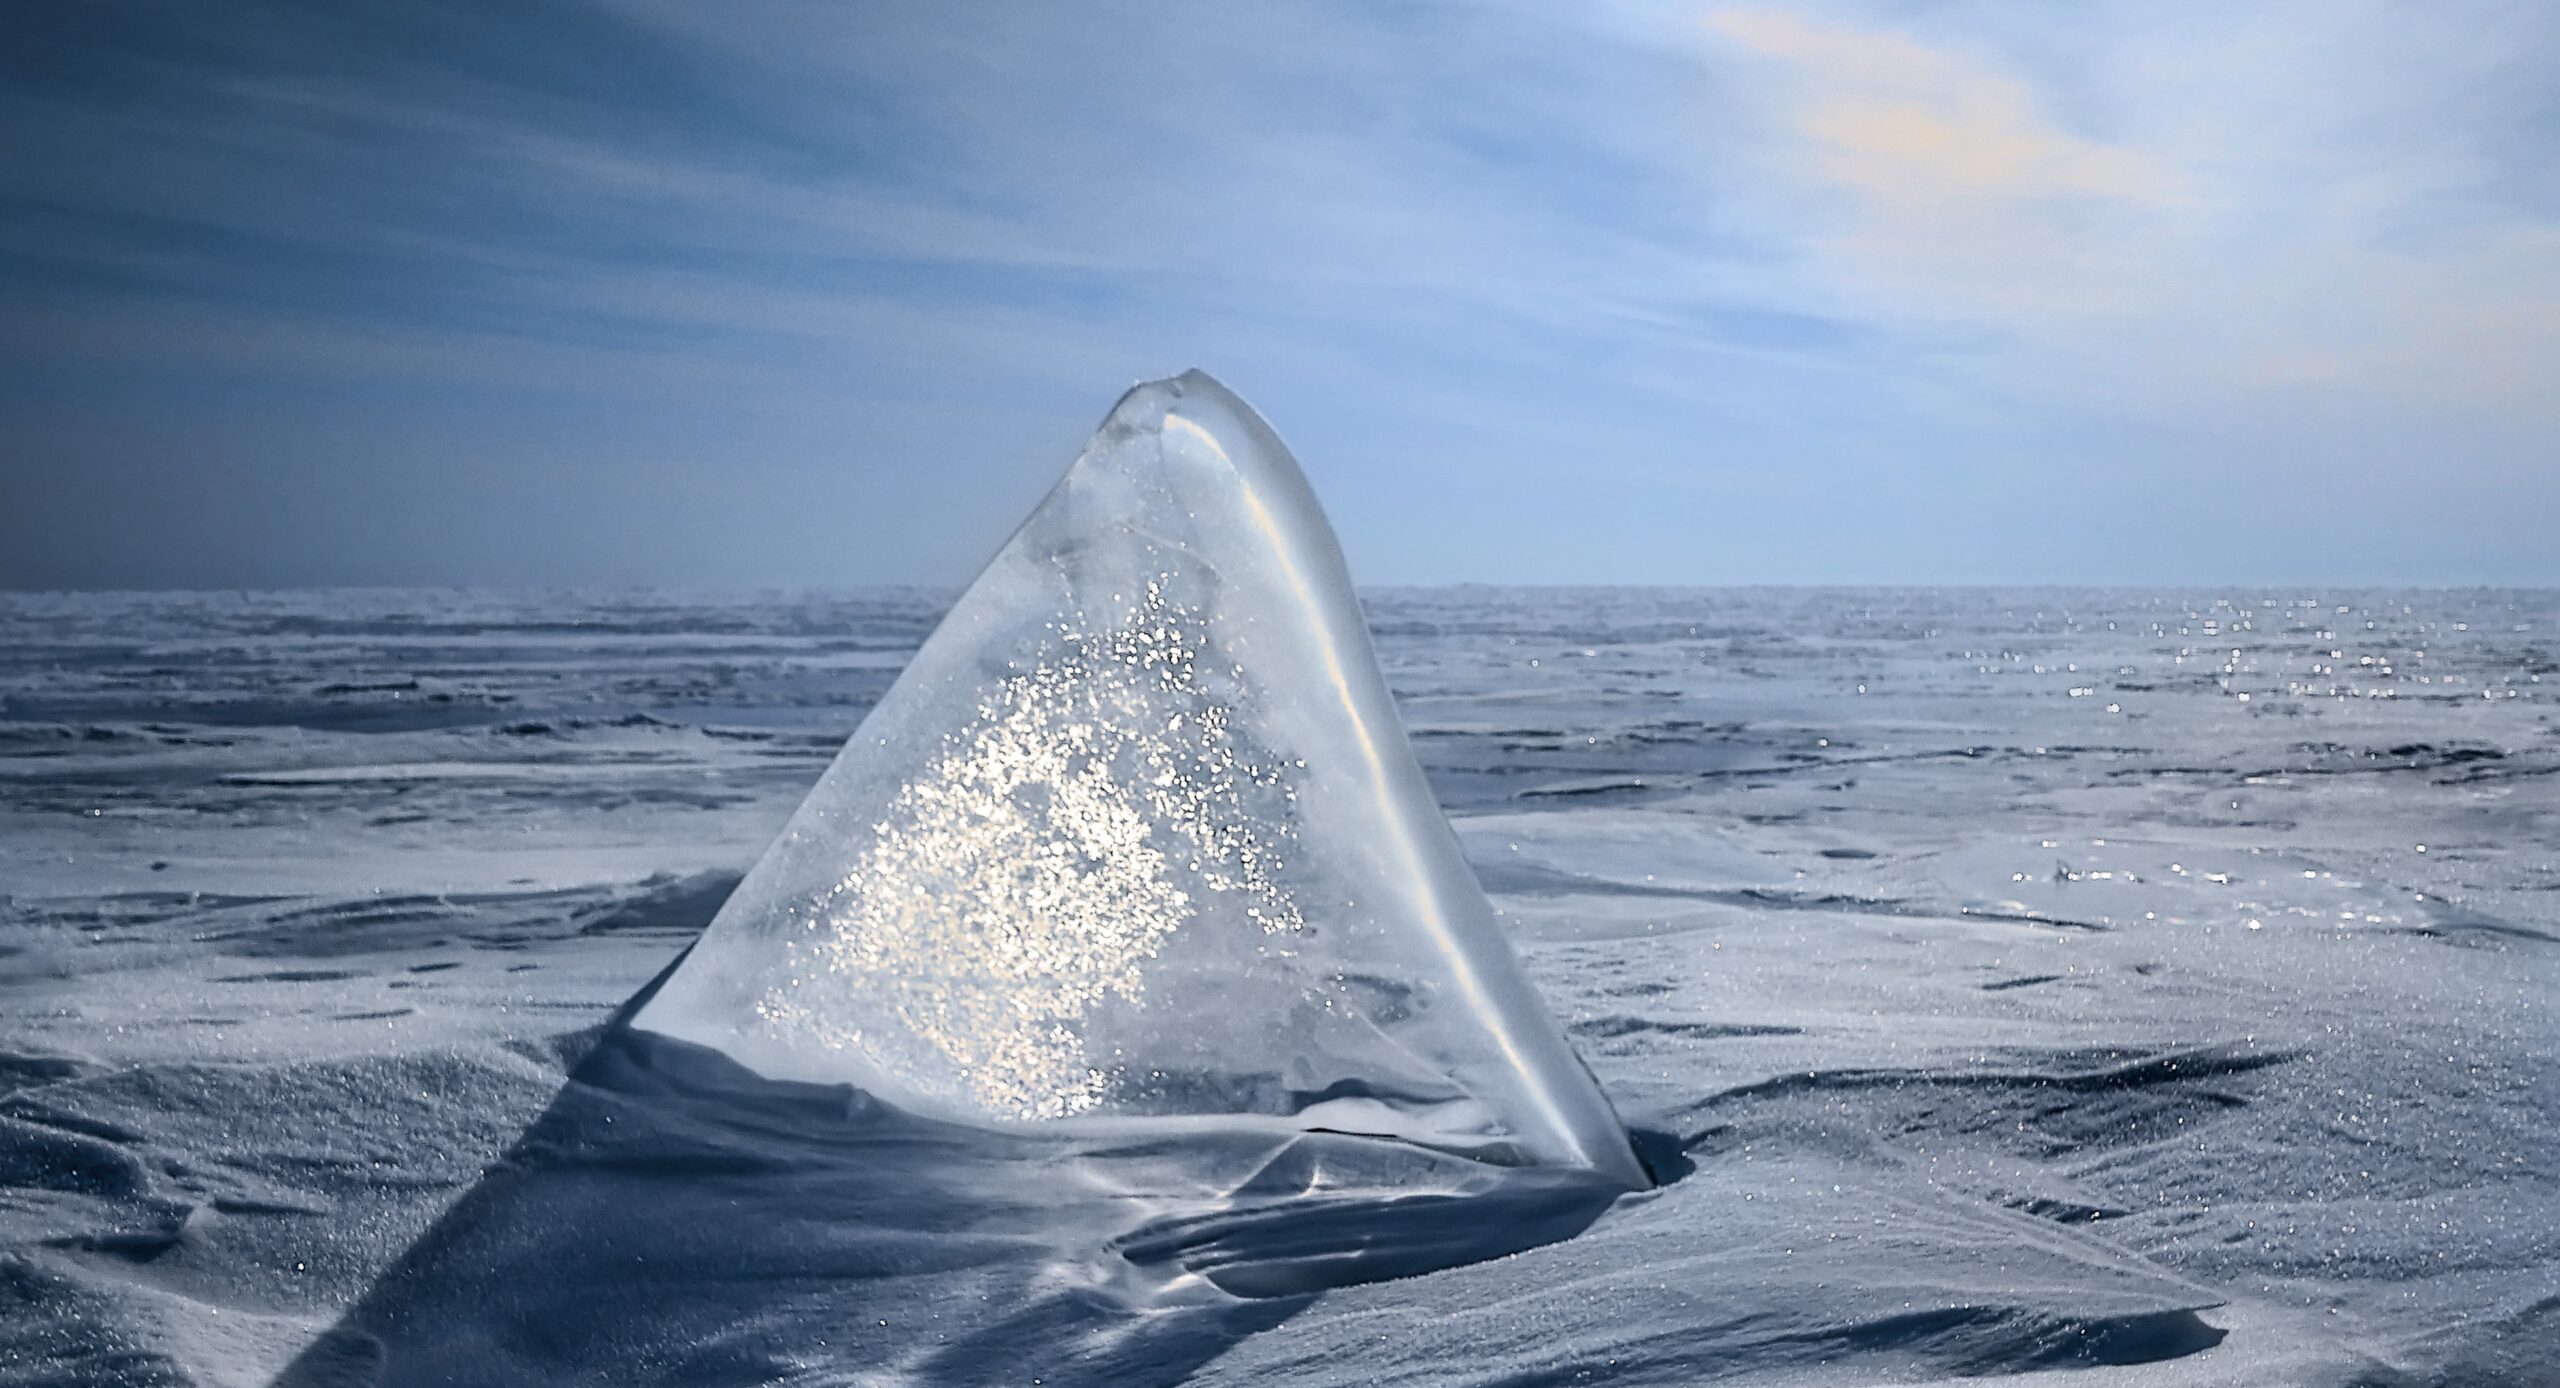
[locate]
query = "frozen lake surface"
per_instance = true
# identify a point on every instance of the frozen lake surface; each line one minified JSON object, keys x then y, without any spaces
{"x":2091,"y":987}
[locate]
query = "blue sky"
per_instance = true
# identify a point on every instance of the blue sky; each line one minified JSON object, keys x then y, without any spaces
{"x":647,"y":291}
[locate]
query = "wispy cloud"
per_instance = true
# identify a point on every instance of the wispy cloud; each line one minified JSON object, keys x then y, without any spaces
{"x":1960,"y":189}
{"x":2203,"y":249}
{"x":1608,"y":277}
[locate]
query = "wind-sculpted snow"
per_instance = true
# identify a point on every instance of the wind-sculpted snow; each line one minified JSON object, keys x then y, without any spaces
{"x":611,"y":1235}
{"x":1987,"y":1027}
{"x":1136,"y":835}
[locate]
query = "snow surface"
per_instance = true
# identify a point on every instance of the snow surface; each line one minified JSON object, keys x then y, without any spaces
{"x":2006,"y":994}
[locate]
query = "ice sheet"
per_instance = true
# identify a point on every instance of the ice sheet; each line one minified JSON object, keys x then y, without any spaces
{"x":271,"y":1049}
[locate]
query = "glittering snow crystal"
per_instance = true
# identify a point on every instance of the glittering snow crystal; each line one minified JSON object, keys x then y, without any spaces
{"x":1138,"y":836}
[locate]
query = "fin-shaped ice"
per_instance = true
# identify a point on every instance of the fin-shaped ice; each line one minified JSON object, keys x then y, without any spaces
{"x":1138,"y":835}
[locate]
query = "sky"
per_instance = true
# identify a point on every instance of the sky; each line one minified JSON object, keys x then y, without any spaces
{"x":617,"y":292}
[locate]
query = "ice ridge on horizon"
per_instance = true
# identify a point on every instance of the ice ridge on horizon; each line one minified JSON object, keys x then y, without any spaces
{"x":1137,"y":835}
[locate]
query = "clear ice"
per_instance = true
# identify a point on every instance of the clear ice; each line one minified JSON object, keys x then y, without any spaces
{"x":1137,"y":836}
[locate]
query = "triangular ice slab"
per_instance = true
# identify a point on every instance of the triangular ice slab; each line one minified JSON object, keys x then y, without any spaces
{"x":1138,"y":836}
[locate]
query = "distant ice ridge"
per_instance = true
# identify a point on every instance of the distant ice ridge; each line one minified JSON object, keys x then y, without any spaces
{"x":1138,"y":836}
